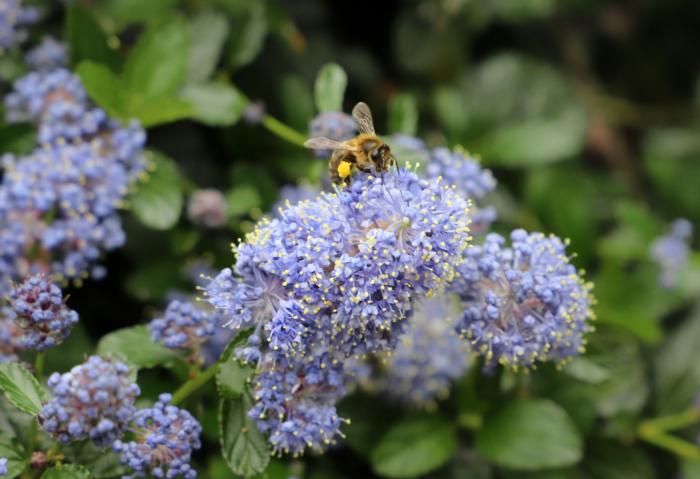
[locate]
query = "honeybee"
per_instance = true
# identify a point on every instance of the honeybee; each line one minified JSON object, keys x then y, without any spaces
{"x":366,"y":152}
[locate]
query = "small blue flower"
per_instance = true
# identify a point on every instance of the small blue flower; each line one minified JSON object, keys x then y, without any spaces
{"x":3,"y":466}
{"x":523,"y":303}
{"x":50,"y":54}
{"x":165,"y":437}
{"x":430,"y":355}
{"x":41,"y":313}
{"x":13,"y":17}
{"x":469,"y":178}
{"x":334,"y":125}
{"x":184,"y":326}
{"x":672,"y":251}
{"x":93,"y":400}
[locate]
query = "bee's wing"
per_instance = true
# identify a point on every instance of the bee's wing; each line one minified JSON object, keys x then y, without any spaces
{"x":321,"y":143}
{"x":363,"y":117}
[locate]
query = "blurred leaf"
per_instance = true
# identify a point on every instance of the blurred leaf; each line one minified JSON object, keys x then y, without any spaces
{"x":403,"y":114}
{"x":85,"y":38}
{"x":104,"y":87}
{"x":232,"y":375}
{"x":329,"y":88}
{"x":136,"y":346}
{"x":530,"y":434}
{"x":208,"y":32}
{"x":297,"y":99}
{"x":152,"y":281}
{"x":677,"y":368}
{"x":16,"y":455}
{"x":70,"y":352}
{"x":414,"y":446}
{"x":100,"y":463}
{"x":584,"y":369}
{"x":244,"y":448}
{"x":247,"y":35}
{"x":690,"y":469}
{"x":215,"y":104}
{"x":157,"y":111}
{"x":631,"y":240}
{"x":17,"y":138}
{"x":369,"y":419}
{"x":241,"y":199}
{"x":606,"y":459}
{"x":127,"y":11}
{"x":157,"y":64}
{"x":158,"y":201}
{"x":66,"y":471}
{"x":13,"y":422}
{"x":21,"y":388}
{"x":533,"y":142}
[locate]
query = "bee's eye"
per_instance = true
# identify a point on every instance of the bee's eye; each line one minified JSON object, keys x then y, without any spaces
{"x":376,"y":156}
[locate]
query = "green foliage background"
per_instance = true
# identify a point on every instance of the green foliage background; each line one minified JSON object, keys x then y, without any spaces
{"x":586,"y":111}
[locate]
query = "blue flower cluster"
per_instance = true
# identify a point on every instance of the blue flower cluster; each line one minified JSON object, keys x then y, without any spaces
{"x":186,"y":326}
{"x":93,"y":400}
{"x":41,"y":313}
{"x":3,"y":466}
{"x":672,"y":251}
{"x":50,"y":54}
{"x":13,"y":18}
{"x":334,"y":125}
{"x":523,"y":303}
{"x":62,"y":200}
{"x":165,"y":437}
{"x":465,"y":173}
{"x":333,"y":278}
{"x":429,"y":357}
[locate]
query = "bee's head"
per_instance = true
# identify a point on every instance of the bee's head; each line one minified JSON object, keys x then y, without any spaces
{"x":380,"y":155}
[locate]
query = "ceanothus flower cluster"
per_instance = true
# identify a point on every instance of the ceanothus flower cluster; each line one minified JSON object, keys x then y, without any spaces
{"x":164,"y":438}
{"x":334,"y":278}
{"x":50,"y":54}
{"x":471,"y":180}
{"x":524,"y":303}
{"x":672,"y":251}
{"x":430,"y":356}
{"x":93,"y":400}
{"x":334,"y":125}
{"x":41,"y":313}
{"x":62,"y":200}
{"x":13,"y":18}
{"x":186,"y":326}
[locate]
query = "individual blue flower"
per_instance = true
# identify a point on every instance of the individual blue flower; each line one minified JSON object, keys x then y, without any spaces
{"x":3,"y":466}
{"x":429,"y":357}
{"x":50,"y":54}
{"x":41,"y":313}
{"x":165,"y":437}
{"x":524,"y":303}
{"x":334,"y":125}
{"x":672,"y":251}
{"x":13,"y":18}
{"x":94,"y":400}
{"x":184,"y":326}
{"x":470,"y":180}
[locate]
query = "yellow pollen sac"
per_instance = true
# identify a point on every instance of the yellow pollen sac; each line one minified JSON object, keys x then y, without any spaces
{"x":344,"y":169}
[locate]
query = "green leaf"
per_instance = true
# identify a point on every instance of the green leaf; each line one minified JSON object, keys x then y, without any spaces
{"x":133,"y":11}
{"x":329,"y":88}
{"x":66,"y":471}
{"x":533,"y":142}
{"x":86,"y":39}
{"x":606,"y":459}
{"x":232,"y":375}
{"x":136,"y":346}
{"x":19,"y":138}
{"x":99,"y":462}
{"x":530,"y":435}
{"x":208,"y":32}
{"x":16,"y":455}
{"x":403,"y":114}
{"x":151,"y":281}
{"x":369,"y":420}
{"x":244,"y":448}
{"x":157,"y":65}
{"x":414,"y":446}
{"x":247,"y":35}
{"x":158,"y":201}
{"x":584,"y":369}
{"x":158,"y":111}
{"x":21,"y":388}
{"x":215,"y":104}
{"x":13,"y":422}
{"x":104,"y":87}
{"x":241,"y":199}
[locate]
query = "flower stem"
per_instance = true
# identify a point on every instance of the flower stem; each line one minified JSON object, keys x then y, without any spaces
{"x":193,"y":384}
{"x":38,"y":372}
{"x":655,"y":431}
{"x":283,"y":131}
{"x":39,"y":366}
